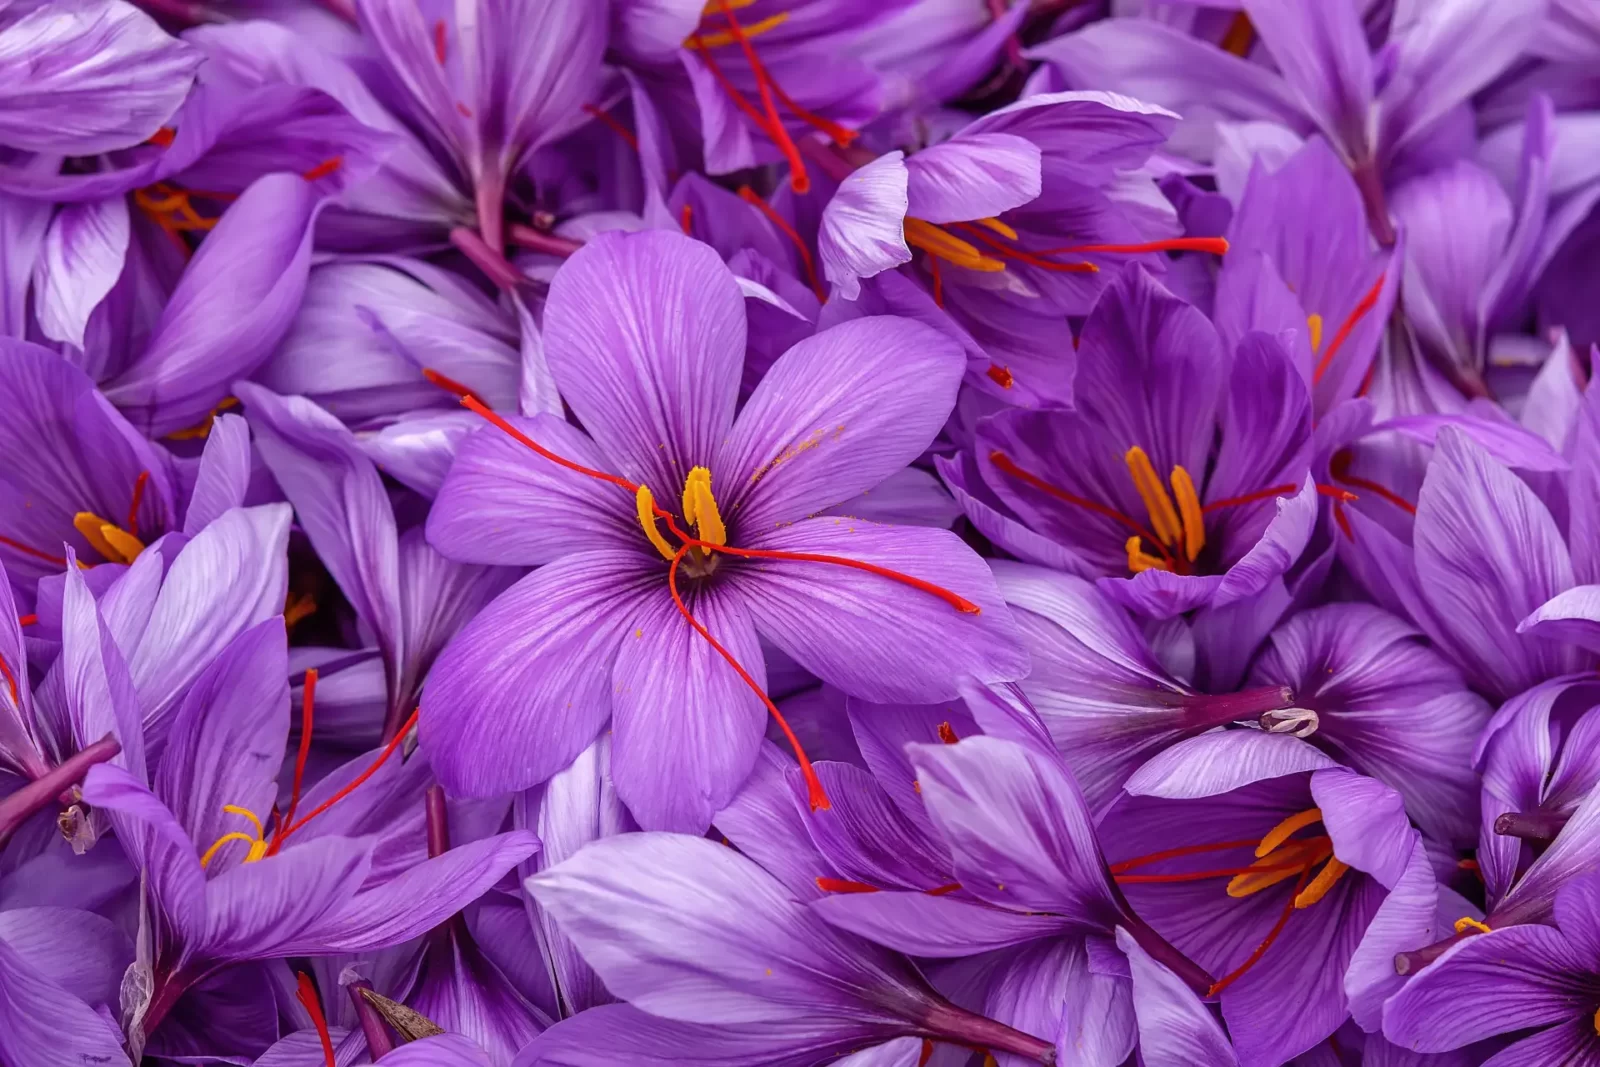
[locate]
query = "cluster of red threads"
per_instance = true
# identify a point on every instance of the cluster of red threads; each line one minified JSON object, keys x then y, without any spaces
{"x":173,"y":209}
{"x":818,"y":797}
{"x":751,"y":197}
{"x":765,"y":117}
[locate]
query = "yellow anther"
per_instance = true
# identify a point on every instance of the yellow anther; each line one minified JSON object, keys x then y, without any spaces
{"x":111,"y":541}
{"x":1324,"y":881}
{"x":1163,"y":516}
{"x":1467,"y":922}
{"x":1314,"y":324}
{"x":647,"y":518}
{"x":714,"y":7}
{"x":1194,"y":523}
{"x":1286,"y":829}
{"x":202,"y":429}
{"x":1291,"y":861}
{"x":700,"y":507}
{"x":1597,"y":1021}
{"x":726,"y":37}
{"x":998,"y":227}
{"x":945,"y":245}
{"x":236,"y":835}
{"x":234,"y":809}
{"x":1140,"y":560}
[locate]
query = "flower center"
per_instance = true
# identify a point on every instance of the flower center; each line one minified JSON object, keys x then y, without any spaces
{"x":118,"y":544}
{"x":763,"y":113}
{"x":1279,"y":856}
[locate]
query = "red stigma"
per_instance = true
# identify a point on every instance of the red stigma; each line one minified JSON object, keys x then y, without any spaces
{"x":11,"y":682}
{"x":27,"y":620}
{"x":754,"y":199}
{"x":285,"y":828}
{"x":947,"y":734}
{"x":308,"y":696}
{"x":1261,"y":950}
{"x":841,"y":885}
{"x":323,"y":169}
{"x":138,"y":498}
{"x":440,"y":40}
{"x":1000,"y":376}
{"x":1005,"y":464}
{"x":163,"y":137}
{"x":59,"y":561}
{"x":686,"y":219}
{"x":1339,"y":467}
{"x":1347,"y":327}
{"x":306,"y":994}
{"x":1216,"y":246}
{"x":1248,"y":498}
{"x":610,"y":122}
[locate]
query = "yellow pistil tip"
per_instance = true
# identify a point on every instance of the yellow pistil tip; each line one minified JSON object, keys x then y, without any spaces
{"x":1325,"y":880}
{"x":720,"y":38}
{"x":1157,"y":502}
{"x":1194,"y":523}
{"x":998,"y":227}
{"x":1314,"y":324}
{"x":1286,"y":829}
{"x":700,"y":507}
{"x":111,"y":541}
{"x":945,"y":245}
{"x":1467,"y":922}
{"x":1139,"y":560}
{"x":647,"y":519}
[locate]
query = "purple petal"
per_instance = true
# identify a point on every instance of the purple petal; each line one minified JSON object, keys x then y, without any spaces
{"x":1084,"y":137}
{"x":835,"y":416}
{"x":865,"y":838}
{"x":526,"y":685}
{"x":1572,"y":616}
{"x":645,"y":334}
{"x":401,"y":36}
{"x":1405,"y":921}
{"x":686,"y":727}
{"x":441,"y":1050}
{"x":1322,"y":51}
{"x":80,"y":262}
{"x":155,"y":843}
{"x":234,"y":304}
{"x":40,"y":1023}
{"x":1217,"y":763}
{"x":863,"y":226}
{"x":1053,"y":989}
{"x":875,"y":637}
{"x":1175,"y":1028}
{"x":223,"y":479}
{"x":264,"y":909}
{"x":88,"y":76}
{"x":937,"y":927}
{"x":972,"y":176}
{"x":1367,"y":822}
{"x":1577,"y":914}
{"x":97,"y":690}
{"x":1470,"y":992}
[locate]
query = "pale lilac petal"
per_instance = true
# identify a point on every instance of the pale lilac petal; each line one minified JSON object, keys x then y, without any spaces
{"x":96,"y":687}
{"x":1367,"y":822}
{"x":875,"y":637}
{"x":972,"y":176}
{"x":526,"y":685}
{"x":864,"y":837}
{"x":155,"y":843}
{"x":80,"y":262}
{"x":1218,"y":763}
{"x":441,"y":1050}
{"x":645,"y":334}
{"x":1054,"y":990}
{"x":40,"y":1023}
{"x":863,"y":226}
{"x":257,"y":910}
{"x":402,"y":37}
{"x":223,"y":479}
{"x":686,"y":727}
{"x":83,"y":77}
{"x":235,"y":302}
{"x":1087,"y":137}
{"x":1405,"y":921}
{"x":79,"y":951}
{"x":936,"y":927}
{"x":1175,"y":1028}
{"x":1322,"y":51}
{"x":835,"y":416}
{"x":1572,"y":616}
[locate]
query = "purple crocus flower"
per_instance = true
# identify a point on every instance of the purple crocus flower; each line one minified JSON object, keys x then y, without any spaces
{"x":1386,"y":114}
{"x":1541,"y":983}
{"x":1156,"y":396}
{"x":60,"y":972}
{"x":719,"y":963}
{"x":1300,"y":927}
{"x":196,"y":833}
{"x":645,"y":337}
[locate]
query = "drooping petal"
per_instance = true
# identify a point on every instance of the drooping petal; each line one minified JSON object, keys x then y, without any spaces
{"x":872,"y":636}
{"x":234,"y":304}
{"x":223,"y":479}
{"x":526,"y":685}
{"x":155,"y":843}
{"x":83,"y":77}
{"x":80,"y":262}
{"x":645,"y":335}
{"x":1218,"y":763}
{"x":96,"y":687}
{"x":686,"y":727}
{"x":1175,"y":1029}
{"x":1406,"y":920}
{"x":836,"y":415}
{"x":972,"y":176}
{"x":863,"y":226}
{"x":1572,"y":616}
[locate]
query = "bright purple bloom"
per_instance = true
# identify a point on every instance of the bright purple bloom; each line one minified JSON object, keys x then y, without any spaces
{"x":60,"y":974}
{"x":1541,"y":983}
{"x":1157,"y":398}
{"x":645,"y":337}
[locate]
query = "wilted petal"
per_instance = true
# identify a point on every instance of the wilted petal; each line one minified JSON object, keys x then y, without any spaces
{"x":863,"y":226}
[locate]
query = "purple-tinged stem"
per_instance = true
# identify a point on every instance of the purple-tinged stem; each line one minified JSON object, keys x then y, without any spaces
{"x":950,"y":1023}
{"x":47,"y":788}
{"x":490,"y":203}
{"x":1370,"y":182}
{"x":1219,"y":709}
{"x":379,"y":1043}
{"x":837,"y":163}
{"x":1537,"y":826}
{"x":438,"y":817}
{"x":1160,"y":949}
{"x":526,"y":236}
{"x":169,"y":988}
{"x":486,"y":259}
{"x":184,"y":11}
{"x":1522,"y":913}
{"x":345,"y":9}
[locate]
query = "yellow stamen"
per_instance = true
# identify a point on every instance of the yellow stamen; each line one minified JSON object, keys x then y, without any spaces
{"x":647,"y":519}
{"x":945,"y":245}
{"x":714,"y":6}
{"x":998,"y":227}
{"x":202,"y":429}
{"x":726,"y":37}
{"x":1323,"y":882}
{"x":1291,"y":861}
{"x":237,"y":835}
{"x":1597,"y":1021}
{"x":234,"y":809}
{"x":258,"y":843}
{"x":700,"y":507}
{"x":1286,"y":829}
{"x":1314,"y":322}
{"x":111,"y":541}
{"x":1194,"y":527}
{"x":1467,"y":922}
{"x":298,"y":606}
{"x":1163,"y":516}
{"x":1140,"y":560}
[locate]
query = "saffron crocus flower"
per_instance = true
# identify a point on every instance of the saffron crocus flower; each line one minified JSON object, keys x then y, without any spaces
{"x":412,"y":598}
{"x":1182,"y":475}
{"x":197,"y":833}
{"x":1384,"y":114}
{"x":1487,"y":564}
{"x":1291,"y":879}
{"x":717,"y":960}
{"x":1539,"y":983}
{"x":645,"y":338}
{"x":1030,"y":878}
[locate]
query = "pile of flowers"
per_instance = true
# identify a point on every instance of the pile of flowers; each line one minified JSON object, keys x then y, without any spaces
{"x":772,"y":533}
